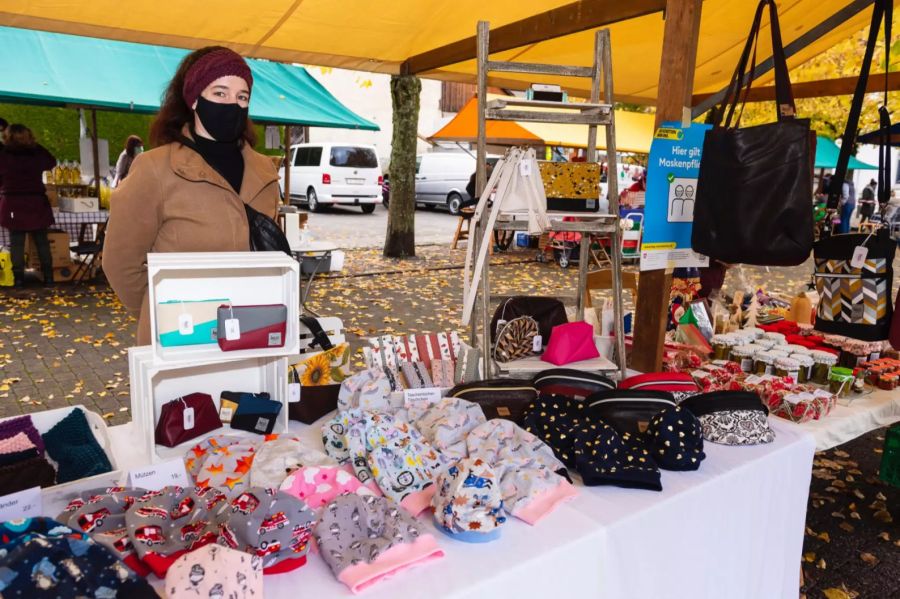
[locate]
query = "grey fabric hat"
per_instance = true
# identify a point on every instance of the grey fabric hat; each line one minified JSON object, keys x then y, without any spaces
{"x":271,"y":524}
{"x":365,"y":538}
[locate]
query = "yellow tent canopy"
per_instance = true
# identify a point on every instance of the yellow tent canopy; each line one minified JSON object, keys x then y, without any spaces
{"x":381,"y":36}
{"x":634,"y":131}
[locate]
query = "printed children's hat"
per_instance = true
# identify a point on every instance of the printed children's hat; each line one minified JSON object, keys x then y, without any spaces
{"x":228,"y":468}
{"x":216,"y":572}
{"x":317,"y":486}
{"x":165,"y":524}
{"x":366,"y":539}
{"x":369,"y":390}
{"x":550,"y":418}
{"x":278,"y":458}
{"x":272,"y":525}
{"x":675,"y":439}
{"x":468,"y":504}
{"x":197,"y":455}
{"x":604,"y":457}
{"x":732,"y":417}
{"x":446,"y":423}
{"x":101,"y":514}
{"x":44,"y":558}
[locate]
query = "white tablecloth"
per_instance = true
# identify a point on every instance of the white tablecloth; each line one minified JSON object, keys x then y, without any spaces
{"x":732,"y":529}
{"x":854,"y":417}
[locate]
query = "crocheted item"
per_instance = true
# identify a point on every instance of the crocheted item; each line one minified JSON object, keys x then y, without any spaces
{"x":22,"y":424}
{"x":72,"y":445}
{"x":20,"y":456}
{"x":17,"y":443}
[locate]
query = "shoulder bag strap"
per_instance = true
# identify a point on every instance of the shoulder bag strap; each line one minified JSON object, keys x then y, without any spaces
{"x":318,"y":333}
{"x":882,"y":9}
{"x":742,"y":79}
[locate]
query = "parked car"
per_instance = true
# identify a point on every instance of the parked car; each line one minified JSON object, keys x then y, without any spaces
{"x":441,"y":179}
{"x":327,"y":174}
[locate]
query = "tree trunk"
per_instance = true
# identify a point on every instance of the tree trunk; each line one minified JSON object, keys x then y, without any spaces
{"x":400,"y":241}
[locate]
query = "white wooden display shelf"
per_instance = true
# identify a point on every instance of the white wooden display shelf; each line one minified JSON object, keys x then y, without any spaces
{"x":244,"y":278}
{"x":154,"y":384}
{"x":62,"y":493}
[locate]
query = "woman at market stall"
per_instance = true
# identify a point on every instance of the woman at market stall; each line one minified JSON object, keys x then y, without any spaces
{"x":134,"y":145}
{"x":188,"y":194}
{"x":24,"y":207}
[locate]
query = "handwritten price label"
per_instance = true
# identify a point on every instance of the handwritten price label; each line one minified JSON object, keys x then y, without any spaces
{"x":157,"y":476}
{"x":24,"y":504}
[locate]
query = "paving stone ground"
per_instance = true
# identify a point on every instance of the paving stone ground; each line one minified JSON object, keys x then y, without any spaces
{"x":68,"y":345}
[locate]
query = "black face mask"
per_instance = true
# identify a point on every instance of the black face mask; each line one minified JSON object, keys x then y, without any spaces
{"x":225,"y":122}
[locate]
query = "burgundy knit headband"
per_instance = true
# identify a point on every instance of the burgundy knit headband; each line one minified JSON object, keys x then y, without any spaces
{"x":209,"y":67}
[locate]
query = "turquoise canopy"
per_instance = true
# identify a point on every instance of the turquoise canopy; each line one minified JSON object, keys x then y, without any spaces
{"x":53,"y":69}
{"x":827,"y":156}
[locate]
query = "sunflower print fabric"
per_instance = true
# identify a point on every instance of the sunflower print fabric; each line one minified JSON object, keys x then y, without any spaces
{"x":325,"y":368}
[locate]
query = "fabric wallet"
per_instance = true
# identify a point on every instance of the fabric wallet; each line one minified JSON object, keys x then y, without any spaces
{"x":229,"y":401}
{"x":417,"y":375}
{"x":258,"y":327}
{"x":186,"y":418}
{"x":187,"y":322}
{"x":256,"y":414}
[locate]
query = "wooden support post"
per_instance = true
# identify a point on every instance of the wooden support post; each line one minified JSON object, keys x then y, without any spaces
{"x":95,"y":151}
{"x":676,"y":82}
{"x":287,"y":165}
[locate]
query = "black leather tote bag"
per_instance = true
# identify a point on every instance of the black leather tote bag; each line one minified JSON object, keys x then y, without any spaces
{"x":754,"y":192}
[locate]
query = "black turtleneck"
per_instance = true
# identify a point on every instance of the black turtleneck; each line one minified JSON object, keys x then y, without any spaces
{"x":226,"y":158}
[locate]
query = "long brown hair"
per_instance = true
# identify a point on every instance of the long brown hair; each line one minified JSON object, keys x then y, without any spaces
{"x":132,"y":144}
{"x":19,"y":136}
{"x":174,"y":113}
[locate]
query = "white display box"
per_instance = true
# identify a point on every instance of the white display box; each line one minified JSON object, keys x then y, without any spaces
{"x":56,"y":498}
{"x":154,"y":384}
{"x":245,"y":278}
{"x":79,"y":204}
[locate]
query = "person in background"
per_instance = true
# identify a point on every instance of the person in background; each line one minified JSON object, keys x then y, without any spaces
{"x":190,"y":192}
{"x":133,"y":146}
{"x":24,"y":207}
{"x":3,"y":125}
{"x":867,"y":201}
{"x":848,"y":205}
{"x":470,"y":186}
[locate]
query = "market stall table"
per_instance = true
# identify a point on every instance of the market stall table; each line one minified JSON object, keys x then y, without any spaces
{"x":79,"y":225}
{"x":732,"y":529}
{"x":853,"y":417}
{"x":311,"y":255}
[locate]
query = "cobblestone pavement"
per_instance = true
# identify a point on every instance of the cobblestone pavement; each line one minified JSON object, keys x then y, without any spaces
{"x":68,"y":345}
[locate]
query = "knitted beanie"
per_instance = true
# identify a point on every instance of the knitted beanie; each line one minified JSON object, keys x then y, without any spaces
{"x":209,"y":67}
{"x":72,"y":444}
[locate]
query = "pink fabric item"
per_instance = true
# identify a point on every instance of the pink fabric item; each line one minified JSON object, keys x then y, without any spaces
{"x":571,"y":342}
{"x":16,"y":443}
{"x":209,"y":67}
{"x":546,"y":502}
{"x":395,"y":559}
{"x":418,"y":502}
{"x":318,"y":485}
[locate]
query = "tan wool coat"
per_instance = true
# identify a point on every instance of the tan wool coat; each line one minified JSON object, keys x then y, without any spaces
{"x":173,"y":201}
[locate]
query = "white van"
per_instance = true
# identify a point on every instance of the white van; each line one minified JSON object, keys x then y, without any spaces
{"x":335,"y":173}
{"x":441,"y":179}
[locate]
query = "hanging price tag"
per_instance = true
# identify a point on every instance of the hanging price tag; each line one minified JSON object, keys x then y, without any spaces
{"x":188,"y":418}
{"x":860,"y":253}
{"x":537,"y":343}
{"x":525,"y":168}
{"x":293,"y":392}
{"x":185,"y":324}
{"x":232,"y":329}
